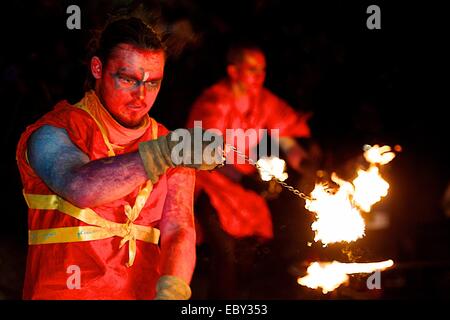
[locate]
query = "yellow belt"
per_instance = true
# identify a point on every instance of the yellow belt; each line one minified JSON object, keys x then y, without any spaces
{"x":99,"y":228}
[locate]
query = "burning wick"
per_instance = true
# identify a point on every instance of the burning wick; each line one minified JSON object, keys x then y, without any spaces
{"x":229,"y":148}
{"x":330,"y":275}
{"x":272,"y":167}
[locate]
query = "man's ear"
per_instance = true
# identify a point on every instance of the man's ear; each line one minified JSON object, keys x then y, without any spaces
{"x":232,"y":71}
{"x":96,"y":67}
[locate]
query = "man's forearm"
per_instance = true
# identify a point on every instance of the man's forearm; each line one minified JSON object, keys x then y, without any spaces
{"x":178,"y":254}
{"x":105,"y":180}
{"x":177,"y":226}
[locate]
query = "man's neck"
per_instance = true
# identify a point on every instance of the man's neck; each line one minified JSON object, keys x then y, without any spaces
{"x":239,"y":91}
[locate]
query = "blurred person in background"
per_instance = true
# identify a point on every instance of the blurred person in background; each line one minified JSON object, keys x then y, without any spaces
{"x":233,"y":219}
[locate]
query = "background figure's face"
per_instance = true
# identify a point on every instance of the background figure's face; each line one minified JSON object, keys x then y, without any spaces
{"x":251,"y":72}
{"x":130,"y":82}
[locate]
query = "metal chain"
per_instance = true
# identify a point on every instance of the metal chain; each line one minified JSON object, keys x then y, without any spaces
{"x":284,"y":184}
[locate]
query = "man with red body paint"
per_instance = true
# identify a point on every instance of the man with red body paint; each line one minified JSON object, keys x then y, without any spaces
{"x":226,"y":211}
{"x":104,"y":197}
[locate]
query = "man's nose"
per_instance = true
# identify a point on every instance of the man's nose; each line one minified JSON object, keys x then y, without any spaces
{"x":142,"y":91}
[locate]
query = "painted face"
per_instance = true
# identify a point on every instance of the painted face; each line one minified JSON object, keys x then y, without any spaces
{"x":252,"y":70}
{"x":130,"y":82}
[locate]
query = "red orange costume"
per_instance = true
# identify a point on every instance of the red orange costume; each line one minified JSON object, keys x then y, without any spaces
{"x":115,"y":245}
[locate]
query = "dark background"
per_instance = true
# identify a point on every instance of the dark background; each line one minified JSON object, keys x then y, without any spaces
{"x":363,"y":87}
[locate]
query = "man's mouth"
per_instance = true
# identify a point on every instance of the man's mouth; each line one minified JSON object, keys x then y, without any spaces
{"x":136,"y":107}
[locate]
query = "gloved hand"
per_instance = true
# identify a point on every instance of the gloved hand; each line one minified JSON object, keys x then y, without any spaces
{"x":172,"y":288}
{"x":170,"y":151}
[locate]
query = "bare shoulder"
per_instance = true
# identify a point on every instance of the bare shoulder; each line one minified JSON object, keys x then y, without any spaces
{"x":51,"y":153}
{"x":47,"y":135}
{"x":48,"y":140}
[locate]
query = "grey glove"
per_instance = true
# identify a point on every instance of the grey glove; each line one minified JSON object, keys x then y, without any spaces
{"x":172,"y":288}
{"x":178,"y":149}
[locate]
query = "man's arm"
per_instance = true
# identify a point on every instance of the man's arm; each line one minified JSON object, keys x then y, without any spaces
{"x":177,"y":236}
{"x":70,"y":173}
{"x":282,"y":116}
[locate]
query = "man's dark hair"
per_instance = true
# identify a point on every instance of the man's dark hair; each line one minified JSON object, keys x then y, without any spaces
{"x":127,"y":30}
{"x":235,"y":53}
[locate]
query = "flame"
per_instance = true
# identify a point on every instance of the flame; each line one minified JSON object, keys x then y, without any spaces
{"x":336,"y":218}
{"x":272,"y":167}
{"x":370,"y":187}
{"x":378,"y":155}
{"x":330,"y":275}
{"x":338,"y":214}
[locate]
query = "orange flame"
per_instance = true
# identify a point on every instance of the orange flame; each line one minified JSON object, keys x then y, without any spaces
{"x":338,"y":214}
{"x":336,"y":218}
{"x":378,"y":155}
{"x":370,"y":187}
{"x":330,"y":275}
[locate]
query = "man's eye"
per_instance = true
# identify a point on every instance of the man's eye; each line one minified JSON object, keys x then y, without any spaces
{"x":152,"y":84}
{"x":127,"y":81}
